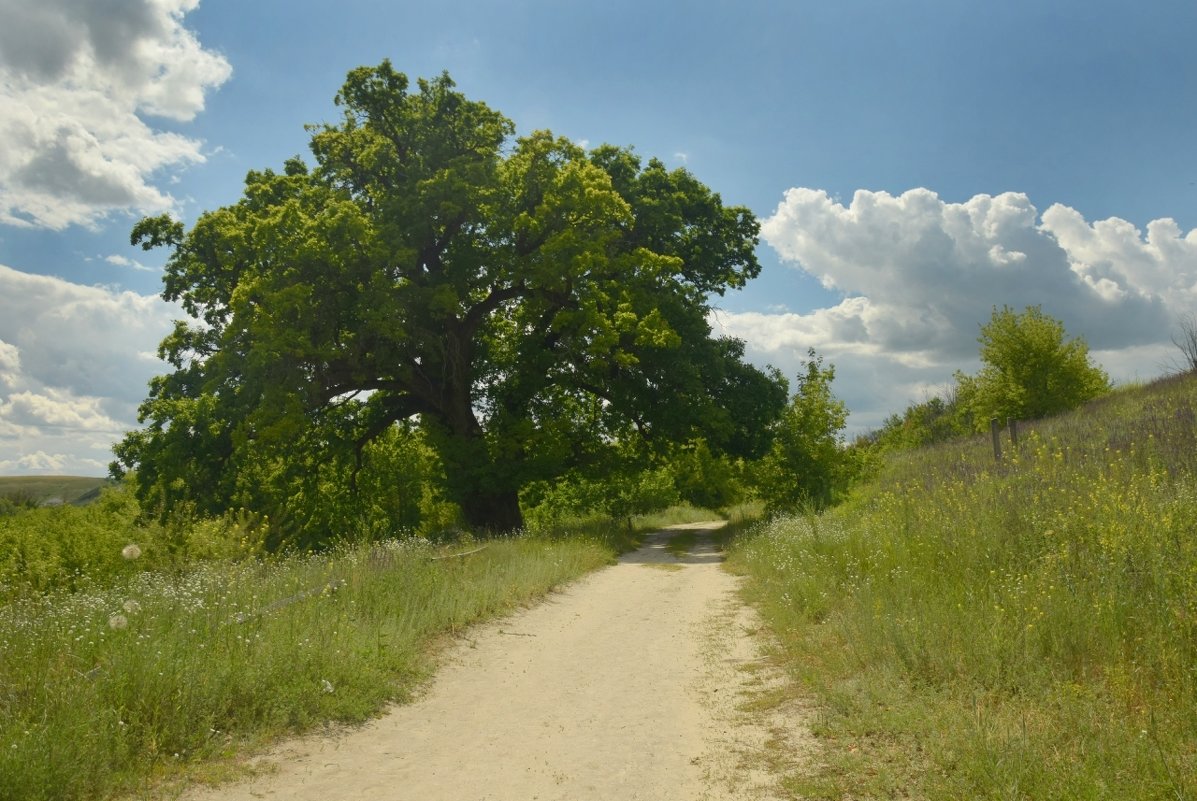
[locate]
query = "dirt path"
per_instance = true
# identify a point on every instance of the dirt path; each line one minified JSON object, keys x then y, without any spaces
{"x":627,"y":685}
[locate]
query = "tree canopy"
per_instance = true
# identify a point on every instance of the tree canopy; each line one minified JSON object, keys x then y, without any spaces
{"x":1029,"y":369}
{"x":526,"y":300}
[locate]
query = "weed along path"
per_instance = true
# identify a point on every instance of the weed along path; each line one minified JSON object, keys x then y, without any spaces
{"x":632,"y":683}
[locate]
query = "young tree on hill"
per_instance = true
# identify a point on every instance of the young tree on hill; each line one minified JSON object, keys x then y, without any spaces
{"x":807,"y":461}
{"x":524,"y":299}
{"x":1030,"y":370}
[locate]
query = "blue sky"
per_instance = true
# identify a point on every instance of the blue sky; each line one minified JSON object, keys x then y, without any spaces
{"x":914,"y":163}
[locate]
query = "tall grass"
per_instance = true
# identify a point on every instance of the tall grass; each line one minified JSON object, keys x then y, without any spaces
{"x":1017,"y":630}
{"x":103,"y":689}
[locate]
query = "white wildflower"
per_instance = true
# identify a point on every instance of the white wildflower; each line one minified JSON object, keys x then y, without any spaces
{"x":131,"y":606}
{"x":131,"y":551}
{"x":118,"y":622}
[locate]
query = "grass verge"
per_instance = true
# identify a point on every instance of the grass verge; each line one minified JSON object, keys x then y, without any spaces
{"x":1023,"y":630}
{"x":109,"y":691}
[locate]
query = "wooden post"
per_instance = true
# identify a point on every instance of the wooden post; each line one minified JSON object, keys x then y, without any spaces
{"x":995,"y":429}
{"x":1013,"y":432}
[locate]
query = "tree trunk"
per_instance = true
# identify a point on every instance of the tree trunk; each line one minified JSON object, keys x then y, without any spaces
{"x":493,"y":512}
{"x":487,"y":491}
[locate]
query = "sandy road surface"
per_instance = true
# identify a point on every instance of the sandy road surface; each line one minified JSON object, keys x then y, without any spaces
{"x":627,"y":685}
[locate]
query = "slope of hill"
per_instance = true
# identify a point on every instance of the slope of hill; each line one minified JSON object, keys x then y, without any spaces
{"x":52,"y":489}
{"x":1016,"y":629}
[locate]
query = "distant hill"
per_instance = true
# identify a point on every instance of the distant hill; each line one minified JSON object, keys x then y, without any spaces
{"x":51,"y":490}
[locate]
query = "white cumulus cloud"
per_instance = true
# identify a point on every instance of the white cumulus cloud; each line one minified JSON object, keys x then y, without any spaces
{"x":58,"y":409}
{"x":10,"y":364}
{"x":36,"y":462}
{"x":77,"y":80}
{"x":919,"y":275}
{"x":75,"y":362}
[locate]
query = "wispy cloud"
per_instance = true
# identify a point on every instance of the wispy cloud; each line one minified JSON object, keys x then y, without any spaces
{"x":133,"y":264}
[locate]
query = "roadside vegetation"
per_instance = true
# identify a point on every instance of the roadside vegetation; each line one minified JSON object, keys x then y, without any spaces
{"x":139,"y":652}
{"x":1023,"y":629}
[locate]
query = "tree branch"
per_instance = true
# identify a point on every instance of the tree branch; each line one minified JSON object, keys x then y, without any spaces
{"x":394,"y":410}
{"x":497,"y":297}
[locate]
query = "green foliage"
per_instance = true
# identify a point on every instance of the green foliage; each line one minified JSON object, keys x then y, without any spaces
{"x":639,"y":493}
{"x":625,"y":489}
{"x":808,"y":462}
{"x":1030,"y":370}
{"x":934,"y":420}
{"x":632,"y":488}
{"x":72,"y":548}
{"x":529,"y":302}
{"x":1013,"y":630}
{"x":633,"y":482}
{"x":705,"y":479}
{"x":387,"y":489}
{"x":16,"y":501}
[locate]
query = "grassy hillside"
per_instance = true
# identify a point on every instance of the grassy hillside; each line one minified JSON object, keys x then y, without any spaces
{"x":67,"y":489}
{"x":1022,"y":630}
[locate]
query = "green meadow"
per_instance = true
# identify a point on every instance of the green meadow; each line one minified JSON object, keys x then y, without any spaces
{"x":1016,"y":630}
{"x":39,"y":489}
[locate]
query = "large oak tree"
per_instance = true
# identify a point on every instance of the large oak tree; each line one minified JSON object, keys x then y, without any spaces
{"x":526,"y":300}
